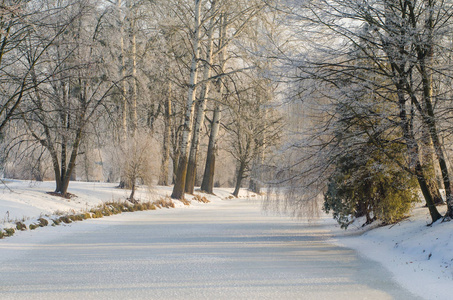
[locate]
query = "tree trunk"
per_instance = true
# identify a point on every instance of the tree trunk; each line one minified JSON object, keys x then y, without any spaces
{"x":38,"y":172}
{"x":431,"y":123}
{"x":63,"y":189}
{"x":256,"y":177}
{"x":179,"y":187}
{"x":56,"y":168}
{"x":435,"y":215}
{"x":124,"y":134}
{"x":80,"y":121}
{"x":255,"y":180}
{"x":414,"y":154}
{"x":401,"y":82}
{"x":134,"y":78}
{"x":429,"y":167}
{"x":175,"y":159}
{"x":163,"y":177}
{"x":64,"y":123}
{"x":131,"y":196}
{"x":425,"y":55}
{"x":123,"y":74}
{"x":239,"y":177}
{"x":207,"y":184}
{"x":201,"y":107}
{"x":208,"y":177}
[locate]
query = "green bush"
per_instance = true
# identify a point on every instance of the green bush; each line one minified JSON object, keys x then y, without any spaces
{"x":9,"y":231}
{"x":86,"y":215}
{"x":65,"y":219}
{"x":149,"y":206}
{"x":372,"y":186}
{"x":106,"y":211}
{"x":97,"y":213}
{"x":43,"y":222}
{"x":21,"y":226}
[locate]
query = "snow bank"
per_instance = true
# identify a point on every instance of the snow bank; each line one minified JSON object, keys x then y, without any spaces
{"x":419,"y":256}
{"x":25,"y":201}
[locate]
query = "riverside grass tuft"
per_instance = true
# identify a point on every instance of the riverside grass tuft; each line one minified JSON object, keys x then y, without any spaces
{"x":103,"y":210}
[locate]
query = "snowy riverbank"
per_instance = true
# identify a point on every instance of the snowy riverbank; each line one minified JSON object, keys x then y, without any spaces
{"x":26,"y":202}
{"x":420,"y":257}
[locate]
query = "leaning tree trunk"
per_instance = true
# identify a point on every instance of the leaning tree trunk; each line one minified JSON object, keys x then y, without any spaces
{"x":256,"y":177}
{"x":414,"y":155}
{"x":401,"y":82}
{"x":430,"y":121}
{"x":179,"y":187}
{"x":441,"y":159}
{"x":429,"y":167}
{"x":239,"y":177}
{"x":425,"y":55}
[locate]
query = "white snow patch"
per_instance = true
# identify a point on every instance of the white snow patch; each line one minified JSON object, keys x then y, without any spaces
{"x":26,"y":201}
{"x":419,"y":256}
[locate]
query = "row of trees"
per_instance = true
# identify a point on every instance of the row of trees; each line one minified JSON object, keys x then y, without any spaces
{"x":375,"y":81}
{"x":154,"y":90}
{"x":135,"y":88}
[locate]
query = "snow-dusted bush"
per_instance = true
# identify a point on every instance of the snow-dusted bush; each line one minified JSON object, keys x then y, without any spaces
{"x":371,"y":186}
{"x":139,"y":163}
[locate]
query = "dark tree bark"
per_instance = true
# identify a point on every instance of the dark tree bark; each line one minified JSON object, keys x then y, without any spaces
{"x":414,"y":153}
{"x":207,"y":184}
{"x":239,"y":176}
{"x":178,"y":188}
{"x":180,"y":182}
{"x":163,"y":177}
{"x":425,"y":53}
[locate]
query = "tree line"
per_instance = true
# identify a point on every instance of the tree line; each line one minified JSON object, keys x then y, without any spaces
{"x":346,"y":102}
{"x":140,"y":90}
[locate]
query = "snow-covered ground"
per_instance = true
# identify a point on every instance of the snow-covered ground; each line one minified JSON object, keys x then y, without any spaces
{"x":419,"y":257}
{"x":26,"y":201}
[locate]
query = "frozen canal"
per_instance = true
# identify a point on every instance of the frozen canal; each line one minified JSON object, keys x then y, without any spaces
{"x":228,"y":250}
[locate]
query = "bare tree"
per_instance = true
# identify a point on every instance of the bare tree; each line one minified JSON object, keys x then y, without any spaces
{"x":179,"y":187}
{"x":58,"y":112}
{"x":223,"y":14}
{"x":21,"y":23}
{"x":253,"y":122}
{"x":200,"y":106}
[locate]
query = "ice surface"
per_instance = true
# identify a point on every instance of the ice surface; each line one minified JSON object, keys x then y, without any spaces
{"x":227,"y":250}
